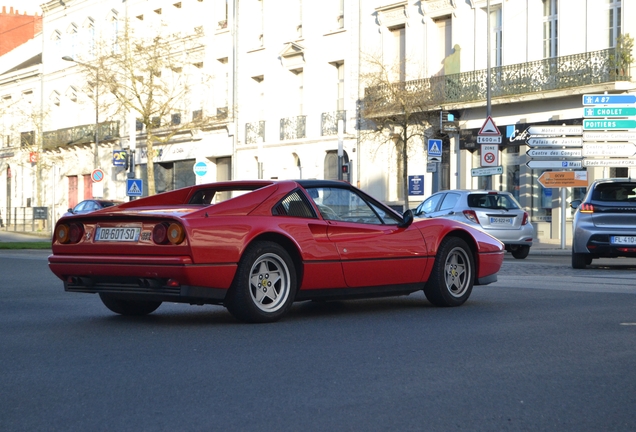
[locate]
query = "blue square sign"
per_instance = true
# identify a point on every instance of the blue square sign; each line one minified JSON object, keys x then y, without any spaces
{"x":134,"y":187}
{"x":435,"y":148}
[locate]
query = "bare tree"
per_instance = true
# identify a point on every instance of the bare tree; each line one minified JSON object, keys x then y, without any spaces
{"x":394,"y":112}
{"x":160,"y":79}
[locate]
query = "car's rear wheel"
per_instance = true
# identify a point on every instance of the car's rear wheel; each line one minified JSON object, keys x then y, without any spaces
{"x":520,"y":252}
{"x":264,"y":286}
{"x":580,"y":260}
{"x":128,"y":307}
{"x":451,"y":280}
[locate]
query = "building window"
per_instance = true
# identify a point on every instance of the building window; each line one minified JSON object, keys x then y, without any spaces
{"x":550,"y":28}
{"x":340,"y":86}
{"x":27,"y":138}
{"x":399,"y":53}
{"x":614,"y":21}
{"x":175,"y":119}
{"x":197,"y":115}
{"x":340,"y":13}
{"x":496,"y":33}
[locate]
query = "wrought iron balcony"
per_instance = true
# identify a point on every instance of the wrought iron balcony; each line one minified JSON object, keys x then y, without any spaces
{"x":329,"y":122}
{"x":292,"y":127}
{"x":84,"y":134}
{"x":557,"y":73}
{"x":255,"y":132}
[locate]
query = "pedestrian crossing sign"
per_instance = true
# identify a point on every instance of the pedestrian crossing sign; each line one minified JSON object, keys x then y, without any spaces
{"x":134,"y":187}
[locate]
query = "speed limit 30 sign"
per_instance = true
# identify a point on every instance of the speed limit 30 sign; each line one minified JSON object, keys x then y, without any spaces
{"x":489,"y":155}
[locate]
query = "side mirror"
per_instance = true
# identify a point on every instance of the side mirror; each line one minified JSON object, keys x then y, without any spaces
{"x":575,"y":204}
{"x":407,"y":219}
{"x":70,"y":210}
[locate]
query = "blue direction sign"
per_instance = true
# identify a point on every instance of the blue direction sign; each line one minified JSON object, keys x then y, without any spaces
{"x":589,"y":124}
{"x":134,"y":187}
{"x":605,"y":99}
{"x":614,"y":111}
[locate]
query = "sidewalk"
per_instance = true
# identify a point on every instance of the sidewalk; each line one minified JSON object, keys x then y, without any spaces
{"x":16,"y":236}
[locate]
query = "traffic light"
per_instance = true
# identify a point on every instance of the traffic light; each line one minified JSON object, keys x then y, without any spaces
{"x":345,"y":168}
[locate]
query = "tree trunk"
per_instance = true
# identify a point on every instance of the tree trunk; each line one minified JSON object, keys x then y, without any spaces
{"x":150,"y":167}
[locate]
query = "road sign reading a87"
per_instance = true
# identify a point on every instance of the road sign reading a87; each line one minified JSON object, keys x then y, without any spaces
{"x":605,"y":99}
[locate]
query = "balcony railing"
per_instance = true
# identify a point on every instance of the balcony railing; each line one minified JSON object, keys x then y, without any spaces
{"x":557,"y":73}
{"x":83,"y":134}
{"x":329,"y":122}
{"x":255,"y":132}
{"x":292,"y":127}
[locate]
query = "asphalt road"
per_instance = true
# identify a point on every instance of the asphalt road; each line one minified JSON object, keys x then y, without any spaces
{"x":546,"y":348}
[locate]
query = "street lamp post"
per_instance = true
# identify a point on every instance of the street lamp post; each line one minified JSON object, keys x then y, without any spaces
{"x":96,"y":134}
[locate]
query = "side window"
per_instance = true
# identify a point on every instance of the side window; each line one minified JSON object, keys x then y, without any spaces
{"x":79,"y":207}
{"x":344,"y":205}
{"x":429,"y":205}
{"x":449,"y":201}
{"x":294,"y":205}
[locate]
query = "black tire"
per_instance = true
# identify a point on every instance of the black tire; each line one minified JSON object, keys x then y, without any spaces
{"x":521,"y":252}
{"x":580,"y":260}
{"x":264,"y":286}
{"x":452,"y":277}
{"x":128,"y":307}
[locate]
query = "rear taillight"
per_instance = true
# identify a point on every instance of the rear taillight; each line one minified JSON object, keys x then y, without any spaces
{"x":69,"y":233}
{"x":586,"y":208}
{"x":524,"y":221}
{"x":176,"y":233}
{"x":471,"y":216}
{"x":165,"y":233}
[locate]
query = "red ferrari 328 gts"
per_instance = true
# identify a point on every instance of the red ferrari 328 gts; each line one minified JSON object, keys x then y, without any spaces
{"x":257,"y":246}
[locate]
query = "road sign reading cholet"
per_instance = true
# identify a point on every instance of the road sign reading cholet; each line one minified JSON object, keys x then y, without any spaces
{"x":555,"y":179}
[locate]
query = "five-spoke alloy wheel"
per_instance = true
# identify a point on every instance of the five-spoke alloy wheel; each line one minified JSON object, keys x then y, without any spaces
{"x":265,"y":284}
{"x":451,"y":280}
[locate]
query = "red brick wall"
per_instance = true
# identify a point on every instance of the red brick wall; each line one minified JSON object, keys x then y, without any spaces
{"x":16,"y":29}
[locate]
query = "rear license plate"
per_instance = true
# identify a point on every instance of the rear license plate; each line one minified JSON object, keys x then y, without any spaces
{"x":122,"y":234}
{"x":500,"y":220}
{"x":623,"y":240}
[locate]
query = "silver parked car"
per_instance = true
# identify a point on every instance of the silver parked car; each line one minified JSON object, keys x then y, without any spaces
{"x":494,"y":212}
{"x":604,"y":224}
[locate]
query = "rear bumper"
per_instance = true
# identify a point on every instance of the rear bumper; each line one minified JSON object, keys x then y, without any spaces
{"x":150,"y":278}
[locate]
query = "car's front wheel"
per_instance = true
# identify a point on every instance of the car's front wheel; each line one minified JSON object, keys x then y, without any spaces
{"x":451,"y":280}
{"x":520,"y":252}
{"x":264,"y":286}
{"x":128,"y":307}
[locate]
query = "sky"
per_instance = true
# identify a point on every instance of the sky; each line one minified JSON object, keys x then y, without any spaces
{"x":28,"y":6}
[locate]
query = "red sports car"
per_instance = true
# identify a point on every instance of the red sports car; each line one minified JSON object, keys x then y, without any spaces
{"x":257,"y":246}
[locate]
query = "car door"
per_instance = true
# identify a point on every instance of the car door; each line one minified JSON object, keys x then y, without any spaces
{"x":373,"y":250}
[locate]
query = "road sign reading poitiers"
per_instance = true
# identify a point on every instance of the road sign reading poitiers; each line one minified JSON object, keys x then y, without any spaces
{"x":476,"y":172}
{"x":605,"y":99}
{"x":537,"y":164}
{"x":555,"y":142}
{"x":617,"y":111}
{"x":608,"y":124}
{"x":556,"y":130}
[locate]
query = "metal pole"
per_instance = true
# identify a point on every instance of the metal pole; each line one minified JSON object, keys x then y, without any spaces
{"x":96,"y":155}
{"x":488,"y":83}
{"x":563,"y":230}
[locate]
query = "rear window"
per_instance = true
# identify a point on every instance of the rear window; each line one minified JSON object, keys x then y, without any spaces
{"x":492,"y":201}
{"x":618,"y":192}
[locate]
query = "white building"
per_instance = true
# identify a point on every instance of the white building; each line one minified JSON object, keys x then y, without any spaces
{"x":285,"y":84}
